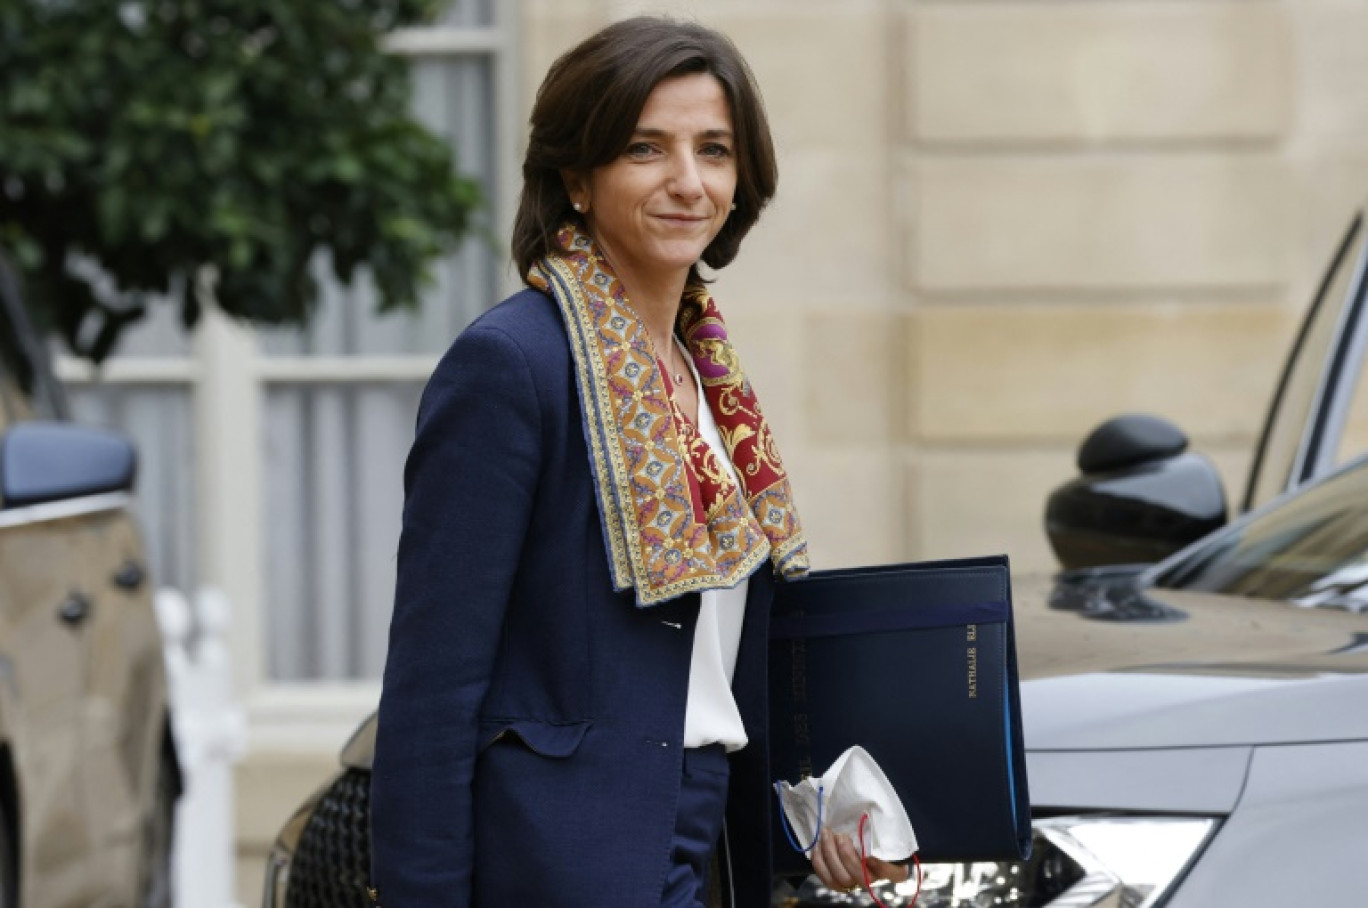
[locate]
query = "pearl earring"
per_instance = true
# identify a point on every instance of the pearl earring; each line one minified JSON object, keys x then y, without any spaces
{"x":733,"y":208}
{"x":577,"y":206}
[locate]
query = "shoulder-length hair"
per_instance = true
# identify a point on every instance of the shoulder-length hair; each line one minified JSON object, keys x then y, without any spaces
{"x":588,"y":106}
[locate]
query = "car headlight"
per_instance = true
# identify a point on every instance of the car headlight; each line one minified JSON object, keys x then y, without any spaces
{"x":1076,"y":862}
{"x":1138,"y":859}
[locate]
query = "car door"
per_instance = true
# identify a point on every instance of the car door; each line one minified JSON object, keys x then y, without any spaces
{"x":121,"y":714}
{"x":1311,"y":409}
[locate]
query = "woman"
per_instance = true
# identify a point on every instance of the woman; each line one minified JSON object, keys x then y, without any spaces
{"x":574,"y":701}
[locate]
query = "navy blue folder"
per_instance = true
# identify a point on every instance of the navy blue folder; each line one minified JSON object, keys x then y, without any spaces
{"x":916,"y":663}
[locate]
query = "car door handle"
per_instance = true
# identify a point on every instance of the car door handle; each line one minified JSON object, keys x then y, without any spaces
{"x":75,"y":609}
{"x":131,"y":575}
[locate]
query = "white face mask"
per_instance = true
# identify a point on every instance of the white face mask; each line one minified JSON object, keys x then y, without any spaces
{"x":853,"y":787}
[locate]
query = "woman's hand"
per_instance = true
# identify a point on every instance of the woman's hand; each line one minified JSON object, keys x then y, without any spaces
{"x":837,"y":863}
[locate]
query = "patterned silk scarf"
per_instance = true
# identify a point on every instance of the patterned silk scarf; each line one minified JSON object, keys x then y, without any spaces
{"x":673,"y":517}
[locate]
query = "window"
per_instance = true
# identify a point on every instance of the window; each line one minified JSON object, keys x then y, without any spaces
{"x":27,"y":390}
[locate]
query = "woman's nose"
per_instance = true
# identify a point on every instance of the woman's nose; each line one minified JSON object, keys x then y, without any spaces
{"x":685,"y":181}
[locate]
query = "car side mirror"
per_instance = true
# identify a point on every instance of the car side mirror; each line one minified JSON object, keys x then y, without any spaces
{"x":53,"y":461}
{"x":1141,"y":496}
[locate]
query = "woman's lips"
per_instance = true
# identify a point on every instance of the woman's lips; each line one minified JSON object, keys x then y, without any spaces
{"x":682,"y":220}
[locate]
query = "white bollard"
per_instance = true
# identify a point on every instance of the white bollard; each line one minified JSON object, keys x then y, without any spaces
{"x":210,"y":735}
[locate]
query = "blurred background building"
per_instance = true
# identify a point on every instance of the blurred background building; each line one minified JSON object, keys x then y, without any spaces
{"x":998,"y":223}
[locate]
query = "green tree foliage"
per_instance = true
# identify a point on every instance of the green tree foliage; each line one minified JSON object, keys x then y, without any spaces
{"x":152,"y":138}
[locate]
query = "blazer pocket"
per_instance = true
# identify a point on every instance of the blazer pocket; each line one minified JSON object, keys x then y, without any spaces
{"x":549,"y":739}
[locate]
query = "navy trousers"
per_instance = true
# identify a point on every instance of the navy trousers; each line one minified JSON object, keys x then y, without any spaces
{"x":698,"y":826}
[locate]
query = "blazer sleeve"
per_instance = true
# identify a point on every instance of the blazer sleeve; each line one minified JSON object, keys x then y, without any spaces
{"x":469,"y":485}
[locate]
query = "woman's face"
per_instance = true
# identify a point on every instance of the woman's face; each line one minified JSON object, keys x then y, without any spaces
{"x":660,"y":203}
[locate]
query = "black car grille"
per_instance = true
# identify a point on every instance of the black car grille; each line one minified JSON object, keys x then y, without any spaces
{"x":332,"y":861}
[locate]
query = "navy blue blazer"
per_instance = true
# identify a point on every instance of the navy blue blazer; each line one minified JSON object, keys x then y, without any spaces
{"x":532,"y":719}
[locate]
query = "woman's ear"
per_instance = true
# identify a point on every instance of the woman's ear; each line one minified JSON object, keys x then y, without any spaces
{"x":577,"y":188}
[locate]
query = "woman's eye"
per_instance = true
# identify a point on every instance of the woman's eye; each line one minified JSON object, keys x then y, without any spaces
{"x":715,"y":150}
{"x":639,"y":150}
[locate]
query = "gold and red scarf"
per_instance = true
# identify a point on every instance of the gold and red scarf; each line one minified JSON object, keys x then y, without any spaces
{"x":673,"y":518}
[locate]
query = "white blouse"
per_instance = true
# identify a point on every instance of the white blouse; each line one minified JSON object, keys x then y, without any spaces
{"x":711,"y":715}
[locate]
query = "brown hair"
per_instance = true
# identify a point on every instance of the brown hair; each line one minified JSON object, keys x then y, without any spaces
{"x":588,"y":106}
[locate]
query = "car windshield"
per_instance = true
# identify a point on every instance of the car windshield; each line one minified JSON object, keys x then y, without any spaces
{"x":1311,"y":549}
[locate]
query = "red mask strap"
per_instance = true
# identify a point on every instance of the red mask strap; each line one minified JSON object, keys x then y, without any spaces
{"x":864,"y":867}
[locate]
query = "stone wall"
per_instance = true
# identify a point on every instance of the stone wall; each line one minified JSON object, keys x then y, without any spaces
{"x":1099,"y":226}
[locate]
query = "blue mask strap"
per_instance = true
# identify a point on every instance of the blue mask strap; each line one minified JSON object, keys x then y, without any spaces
{"x":788,"y":830}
